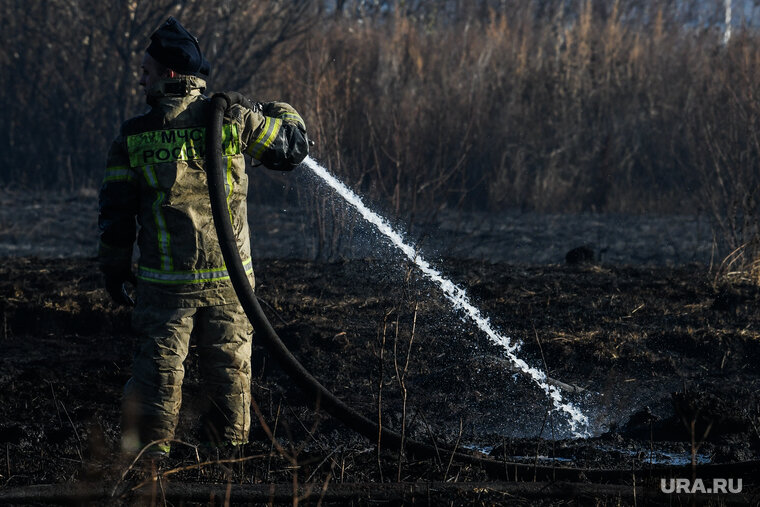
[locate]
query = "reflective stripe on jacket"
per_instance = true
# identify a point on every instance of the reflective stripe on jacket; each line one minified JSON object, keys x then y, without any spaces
{"x":155,"y":173}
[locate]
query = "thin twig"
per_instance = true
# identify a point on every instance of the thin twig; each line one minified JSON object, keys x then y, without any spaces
{"x":402,"y":382}
{"x":311,"y":432}
{"x":453,"y":452}
{"x":540,"y":349}
{"x":165,"y":474}
{"x":549,"y":412}
{"x":227,"y":494}
{"x":55,"y":402}
{"x":272,"y":441}
{"x":400,"y":379}
{"x":538,"y":443}
{"x":324,"y":489}
{"x":76,"y":433}
{"x":161,"y":487}
{"x":328,"y":457}
{"x":313,"y":429}
{"x":432,"y":439}
{"x":142,"y":451}
{"x":266,"y":429}
{"x":203,"y":464}
{"x":380,"y":396}
{"x":276,"y":314}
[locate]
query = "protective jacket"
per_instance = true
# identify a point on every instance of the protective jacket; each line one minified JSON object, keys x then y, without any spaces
{"x":155,"y":173}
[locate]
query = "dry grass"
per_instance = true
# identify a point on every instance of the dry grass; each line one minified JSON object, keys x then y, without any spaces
{"x":559,"y":114}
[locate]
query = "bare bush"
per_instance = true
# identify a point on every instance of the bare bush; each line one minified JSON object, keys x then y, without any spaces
{"x":725,"y":133}
{"x":556,"y":111}
{"x":546,"y":105}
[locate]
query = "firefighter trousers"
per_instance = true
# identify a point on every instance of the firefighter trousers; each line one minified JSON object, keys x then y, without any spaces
{"x":222,"y":336}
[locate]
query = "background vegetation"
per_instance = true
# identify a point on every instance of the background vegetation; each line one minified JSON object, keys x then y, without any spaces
{"x":550,"y":105}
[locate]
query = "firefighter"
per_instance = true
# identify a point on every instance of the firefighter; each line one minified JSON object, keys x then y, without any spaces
{"x":155,"y":175}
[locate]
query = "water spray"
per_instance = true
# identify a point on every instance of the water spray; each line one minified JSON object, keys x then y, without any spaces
{"x":323,"y":398}
{"x":320,"y":396}
{"x":457,"y":296}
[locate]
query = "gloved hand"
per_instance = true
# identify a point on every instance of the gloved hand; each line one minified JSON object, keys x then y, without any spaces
{"x":116,"y":277}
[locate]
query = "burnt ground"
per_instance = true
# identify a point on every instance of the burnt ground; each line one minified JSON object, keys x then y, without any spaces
{"x":667,"y":361}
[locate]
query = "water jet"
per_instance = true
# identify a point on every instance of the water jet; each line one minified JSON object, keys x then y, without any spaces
{"x":459,"y":300}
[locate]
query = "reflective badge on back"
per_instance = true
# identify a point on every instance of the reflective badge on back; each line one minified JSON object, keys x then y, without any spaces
{"x":171,"y":145}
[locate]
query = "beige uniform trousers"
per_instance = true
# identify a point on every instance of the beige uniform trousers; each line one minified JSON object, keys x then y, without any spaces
{"x":152,"y":397}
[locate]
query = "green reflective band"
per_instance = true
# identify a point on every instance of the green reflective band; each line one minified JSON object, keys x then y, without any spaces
{"x":229,"y":185}
{"x":171,"y":145}
{"x":266,"y":137}
{"x":293,"y":118}
{"x":168,"y":277}
{"x":230,"y":140}
{"x":118,"y":173}
{"x":164,"y":238}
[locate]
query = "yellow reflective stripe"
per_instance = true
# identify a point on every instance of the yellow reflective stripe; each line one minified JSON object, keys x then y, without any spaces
{"x":118,"y":173}
{"x":182,"y":277}
{"x":230,"y":140}
{"x":164,"y":238}
{"x":229,"y":185}
{"x":266,"y":137}
{"x":293,"y":117}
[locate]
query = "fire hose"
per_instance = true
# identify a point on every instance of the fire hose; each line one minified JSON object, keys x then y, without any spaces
{"x":310,"y":386}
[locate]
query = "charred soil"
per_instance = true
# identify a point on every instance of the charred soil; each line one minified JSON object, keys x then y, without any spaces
{"x":662,"y":361}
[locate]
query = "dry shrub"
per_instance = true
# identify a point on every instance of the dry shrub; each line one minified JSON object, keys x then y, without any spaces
{"x":575,"y":111}
{"x":724,"y":122}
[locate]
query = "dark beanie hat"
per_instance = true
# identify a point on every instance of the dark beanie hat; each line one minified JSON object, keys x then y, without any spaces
{"x":174,"y":47}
